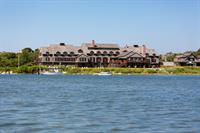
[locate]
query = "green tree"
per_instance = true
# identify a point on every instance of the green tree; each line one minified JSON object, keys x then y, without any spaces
{"x":8,"y":59}
{"x":27,"y":56}
{"x":36,"y":55}
{"x":28,"y":50}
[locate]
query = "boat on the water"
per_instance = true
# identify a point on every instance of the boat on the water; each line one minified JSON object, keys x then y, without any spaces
{"x":52,"y":72}
{"x":104,"y":73}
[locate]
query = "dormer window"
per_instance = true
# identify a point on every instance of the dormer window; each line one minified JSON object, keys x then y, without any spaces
{"x":92,"y":52}
{"x":58,"y":53}
{"x":47,"y":53}
{"x":65,"y":53}
{"x":80,"y":51}
{"x":117,"y":53}
{"x":111,"y":53}
{"x":104,"y":52}
{"x":71,"y":53}
{"x":98,"y":52}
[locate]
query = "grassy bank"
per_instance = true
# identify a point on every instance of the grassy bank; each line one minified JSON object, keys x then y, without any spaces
{"x":22,"y":69}
{"x":114,"y":71}
{"x":136,"y":71}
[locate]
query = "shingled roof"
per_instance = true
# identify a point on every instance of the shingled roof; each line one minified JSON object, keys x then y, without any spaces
{"x":129,"y":54}
{"x":52,"y":49}
{"x":101,"y":45}
{"x":139,"y":49}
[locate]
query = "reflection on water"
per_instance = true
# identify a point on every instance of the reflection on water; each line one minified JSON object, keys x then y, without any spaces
{"x":96,"y":104}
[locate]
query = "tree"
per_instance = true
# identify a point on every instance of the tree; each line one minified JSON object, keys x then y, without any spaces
{"x":8,"y":59}
{"x":28,"y":50}
{"x":27,"y":56}
{"x":36,"y":55}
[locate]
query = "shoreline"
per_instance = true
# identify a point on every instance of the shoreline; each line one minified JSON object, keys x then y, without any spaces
{"x":163,"y":71}
{"x":17,"y":74}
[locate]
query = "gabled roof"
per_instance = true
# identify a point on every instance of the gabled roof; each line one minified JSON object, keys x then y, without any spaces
{"x":82,"y":55}
{"x":129,"y":54}
{"x":52,"y":49}
{"x":185,"y":55}
{"x":140,"y":50}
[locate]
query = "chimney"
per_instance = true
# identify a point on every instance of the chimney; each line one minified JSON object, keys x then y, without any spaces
{"x":93,"y":42}
{"x":62,"y":44}
{"x":144,"y":49}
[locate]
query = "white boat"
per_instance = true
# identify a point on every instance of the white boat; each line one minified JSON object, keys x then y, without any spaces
{"x":52,"y":73}
{"x":104,"y":74}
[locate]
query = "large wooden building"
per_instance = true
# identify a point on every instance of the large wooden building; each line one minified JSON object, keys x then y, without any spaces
{"x":98,"y":55}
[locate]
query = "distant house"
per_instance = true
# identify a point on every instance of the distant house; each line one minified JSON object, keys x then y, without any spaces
{"x":168,"y":64}
{"x":98,"y":55}
{"x":187,"y":59}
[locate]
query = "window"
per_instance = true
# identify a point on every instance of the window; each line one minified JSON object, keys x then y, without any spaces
{"x":117,"y":53}
{"x":98,"y":60}
{"x":104,"y":52}
{"x":153,"y":60}
{"x":191,"y":59}
{"x":58,"y":53}
{"x":47,"y":59}
{"x":105,"y":60}
{"x":98,"y":52}
{"x":71,"y":53}
{"x":111,"y":52}
{"x":91,"y":52}
{"x":82,"y":59}
{"x":80,"y":51}
{"x":92,"y":59}
{"x":65,"y":53}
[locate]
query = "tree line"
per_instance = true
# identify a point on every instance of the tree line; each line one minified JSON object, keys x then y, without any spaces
{"x":27,"y":57}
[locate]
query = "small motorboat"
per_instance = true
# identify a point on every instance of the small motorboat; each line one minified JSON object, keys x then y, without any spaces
{"x":52,"y":73}
{"x":104,"y":73}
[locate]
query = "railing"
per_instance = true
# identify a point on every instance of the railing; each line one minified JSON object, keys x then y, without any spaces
{"x":137,"y":61}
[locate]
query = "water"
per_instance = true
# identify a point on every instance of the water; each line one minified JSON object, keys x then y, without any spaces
{"x":99,"y":104}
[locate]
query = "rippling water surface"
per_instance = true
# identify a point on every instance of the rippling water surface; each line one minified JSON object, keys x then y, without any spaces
{"x":98,"y":104}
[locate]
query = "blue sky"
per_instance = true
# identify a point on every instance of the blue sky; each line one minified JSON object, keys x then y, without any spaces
{"x":165,"y":25}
